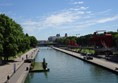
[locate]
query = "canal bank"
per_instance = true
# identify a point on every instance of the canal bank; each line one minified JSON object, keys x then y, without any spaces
{"x":102,"y":63}
{"x":20,"y":75}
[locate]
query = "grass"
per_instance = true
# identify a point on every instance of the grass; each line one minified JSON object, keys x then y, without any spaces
{"x":85,"y":50}
{"x":38,"y":66}
{"x":18,"y":55}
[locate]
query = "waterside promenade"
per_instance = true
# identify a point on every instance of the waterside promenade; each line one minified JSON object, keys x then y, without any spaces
{"x":100,"y":62}
{"x":7,"y":71}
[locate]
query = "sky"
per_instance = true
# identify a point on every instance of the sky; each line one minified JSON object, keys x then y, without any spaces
{"x":44,"y":18}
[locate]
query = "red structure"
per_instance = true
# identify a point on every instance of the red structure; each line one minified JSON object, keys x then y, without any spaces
{"x":73,"y":43}
{"x":102,"y":40}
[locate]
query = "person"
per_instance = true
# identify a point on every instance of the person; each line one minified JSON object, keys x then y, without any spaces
{"x":26,"y":56}
{"x":43,"y":60}
{"x":14,"y":67}
{"x":22,"y":58}
{"x":44,"y":64}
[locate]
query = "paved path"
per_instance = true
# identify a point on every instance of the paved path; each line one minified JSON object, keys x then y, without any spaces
{"x":7,"y":69}
{"x":20,"y":75}
{"x":101,"y":62}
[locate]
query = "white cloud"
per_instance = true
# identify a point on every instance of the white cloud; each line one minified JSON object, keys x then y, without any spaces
{"x":60,"y":18}
{"x":79,"y":2}
{"x":79,"y":8}
{"x":83,"y":8}
{"x":69,"y":20}
{"x":108,"y":19}
{"x":55,"y":20}
{"x":30,"y":23}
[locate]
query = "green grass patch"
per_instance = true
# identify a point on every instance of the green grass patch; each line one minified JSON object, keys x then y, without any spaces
{"x":18,"y":55}
{"x":90,"y":51}
{"x":38,"y":66}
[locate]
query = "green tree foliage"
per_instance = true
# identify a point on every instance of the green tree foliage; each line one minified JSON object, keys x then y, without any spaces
{"x":72,"y":40}
{"x":33,"y":41}
{"x":67,"y":41}
{"x":84,"y":40}
{"x":12,"y":38}
{"x":115,"y":38}
{"x":60,"y":41}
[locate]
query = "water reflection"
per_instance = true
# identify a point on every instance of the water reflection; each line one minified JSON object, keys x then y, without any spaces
{"x":32,"y":75}
{"x":46,"y":74}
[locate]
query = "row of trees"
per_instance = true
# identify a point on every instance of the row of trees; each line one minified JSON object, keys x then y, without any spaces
{"x":72,"y":40}
{"x":12,"y":38}
{"x":83,"y":40}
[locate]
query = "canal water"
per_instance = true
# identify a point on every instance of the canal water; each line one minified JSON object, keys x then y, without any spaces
{"x":68,"y":69}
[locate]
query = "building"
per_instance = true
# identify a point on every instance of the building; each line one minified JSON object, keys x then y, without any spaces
{"x":53,"y":38}
{"x":66,"y":35}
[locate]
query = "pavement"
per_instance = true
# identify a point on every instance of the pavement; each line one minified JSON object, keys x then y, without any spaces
{"x":8,"y":69}
{"x":100,"y":62}
{"x":19,"y":73}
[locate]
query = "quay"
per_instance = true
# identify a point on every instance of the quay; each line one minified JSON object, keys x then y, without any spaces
{"x":99,"y":62}
{"x":22,"y":68}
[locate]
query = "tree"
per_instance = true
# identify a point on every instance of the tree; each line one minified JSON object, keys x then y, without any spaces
{"x":116,"y":39}
{"x":12,"y":38}
{"x":33,"y":41}
{"x":84,"y":40}
{"x":67,"y":41}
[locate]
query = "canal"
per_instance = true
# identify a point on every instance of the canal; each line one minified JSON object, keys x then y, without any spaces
{"x":67,"y":69}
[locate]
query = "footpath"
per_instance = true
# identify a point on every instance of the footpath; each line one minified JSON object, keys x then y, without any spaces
{"x":100,"y":62}
{"x":7,"y":70}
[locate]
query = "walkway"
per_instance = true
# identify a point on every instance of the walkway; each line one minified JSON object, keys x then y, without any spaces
{"x":17,"y":76}
{"x":7,"y":70}
{"x":103,"y":63}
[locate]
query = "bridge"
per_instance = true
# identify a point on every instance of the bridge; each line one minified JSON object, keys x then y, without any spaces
{"x":45,"y":43}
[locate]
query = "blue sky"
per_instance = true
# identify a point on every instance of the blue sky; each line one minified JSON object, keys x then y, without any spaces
{"x":44,"y":18}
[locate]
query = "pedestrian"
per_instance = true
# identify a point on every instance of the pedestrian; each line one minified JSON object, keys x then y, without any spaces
{"x":44,"y":64}
{"x":26,"y":56}
{"x":22,"y":58}
{"x":14,"y":67}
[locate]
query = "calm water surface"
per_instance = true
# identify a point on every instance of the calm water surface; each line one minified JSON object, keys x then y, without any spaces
{"x":67,"y":69}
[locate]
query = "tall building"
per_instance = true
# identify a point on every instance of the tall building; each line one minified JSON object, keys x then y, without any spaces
{"x":66,"y":35}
